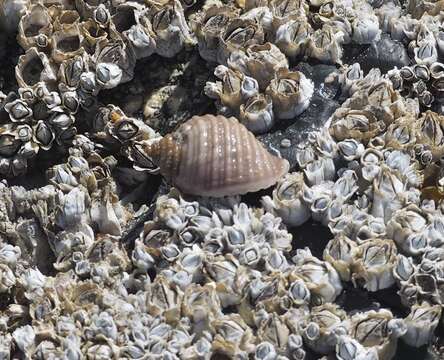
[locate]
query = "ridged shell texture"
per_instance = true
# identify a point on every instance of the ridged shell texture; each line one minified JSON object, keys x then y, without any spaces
{"x":216,"y":156}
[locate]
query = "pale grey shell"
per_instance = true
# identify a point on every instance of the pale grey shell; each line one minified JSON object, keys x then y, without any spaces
{"x":216,"y":156}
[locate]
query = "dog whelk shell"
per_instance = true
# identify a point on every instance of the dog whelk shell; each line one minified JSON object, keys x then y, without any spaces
{"x":216,"y":156}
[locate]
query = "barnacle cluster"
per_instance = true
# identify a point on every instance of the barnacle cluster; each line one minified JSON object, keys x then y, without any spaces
{"x":102,"y":258}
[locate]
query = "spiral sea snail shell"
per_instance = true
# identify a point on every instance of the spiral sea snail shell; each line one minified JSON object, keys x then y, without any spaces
{"x":215,"y":156}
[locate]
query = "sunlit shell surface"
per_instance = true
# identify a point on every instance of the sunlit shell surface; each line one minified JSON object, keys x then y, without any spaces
{"x":216,"y":156}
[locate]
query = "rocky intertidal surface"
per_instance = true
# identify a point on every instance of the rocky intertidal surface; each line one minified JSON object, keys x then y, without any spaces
{"x":211,"y":180}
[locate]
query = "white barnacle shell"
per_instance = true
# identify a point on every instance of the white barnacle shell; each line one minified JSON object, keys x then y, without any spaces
{"x":257,"y":114}
{"x":259,"y":61}
{"x":421,"y":324}
{"x":285,"y":10}
{"x":169,"y":26}
{"x":116,"y":52}
{"x":350,"y":149}
{"x":72,"y":208}
{"x":66,"y":43}
{"x":346,"y":186}
{"x":34,"y":67}
{"x":24,"y":337}
{"x":373,"y":263}
{"x":348,"y":348}
{"x":108,"y":75}
{"x":142,"y":38}
{"x":321,"y":278}
{"x":387,"y":191}
{"x":325,"y":324}
{"x":275,"y":331}
{"x":426,"y":53}
{"x":238,"y":34}
{"x":378,"y":330}
{"x":292,"y":37}
{"x":35,"y":22}
{"x":326,"y":45}
{"x":320,"y":199}
{"x":265,"y":351}
{"x":9,"y":255}
{"x":321,"y":170}
{"x":18,"y":111}
{"x":287,"y":201}
{"x":261,"y":14}
{"x":373,"y":228}
{"x":207,"y":27}
{"x":234,"y":89}
{"x":365,"y":29}
{"x":355,"y":124}
{"x":386,"y":14}
{"x":7,"y":278}
{"x":406,"y":227}
{"x":290,"y":92}
{"x":305,"y":155}
{"x":338,"y":252}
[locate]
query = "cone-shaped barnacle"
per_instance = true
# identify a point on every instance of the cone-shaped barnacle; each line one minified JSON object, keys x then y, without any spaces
{"x":34,"y":67}
{"x":319,"y":171}
{"x":430,"y":131}
{"x":207,"y":27}
{"x":215,"y":156}
{"x":292,"y":37}
{"x":354,"y":124}
{"x":373,"y":263}
{"x":406,"y":227}
{"x":63,"y":19}
{"x":91,"y":35}
{"x":378,"y":330}
{"x":238,"y":35}
{"x":401,"y":134}
{"x":86,"y":8}
{"x":348,"y":348}
{"x":387,"y":193}
{"x":257,"y":114}
{"x":426,"y":53}
{"x":274,"y":330}
{"x":233,"y":337}
{"x":142,"y":37}
{"x":285,"y":10}
{"x":18,"y":111}
{"x":326,"y":45}
{"x":35,"y":22}
{"x":169,"y":26}
{"x":290,"y":92}
{"x":421,"y":324}
{"x":234,"y":89}
{"x":70,"y":71}
{"x":324,"y":326}
{"x":66,"y":43}
{"x":287,"y":201}
{"x":125,"y":17}
{"x":259,"y":61}
{"x":338,"y":252}
{"x":321,"y":278}
{"x":366,"y":29}
{"x":350,"y":149}
{"x":348,"y":76}
{"x":116,"y":52}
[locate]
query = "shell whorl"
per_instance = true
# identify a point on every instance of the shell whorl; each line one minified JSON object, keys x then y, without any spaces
{"x":215,"y":156}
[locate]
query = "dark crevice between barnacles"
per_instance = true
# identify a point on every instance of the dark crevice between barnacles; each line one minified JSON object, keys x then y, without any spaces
{"x":166,"y":92}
